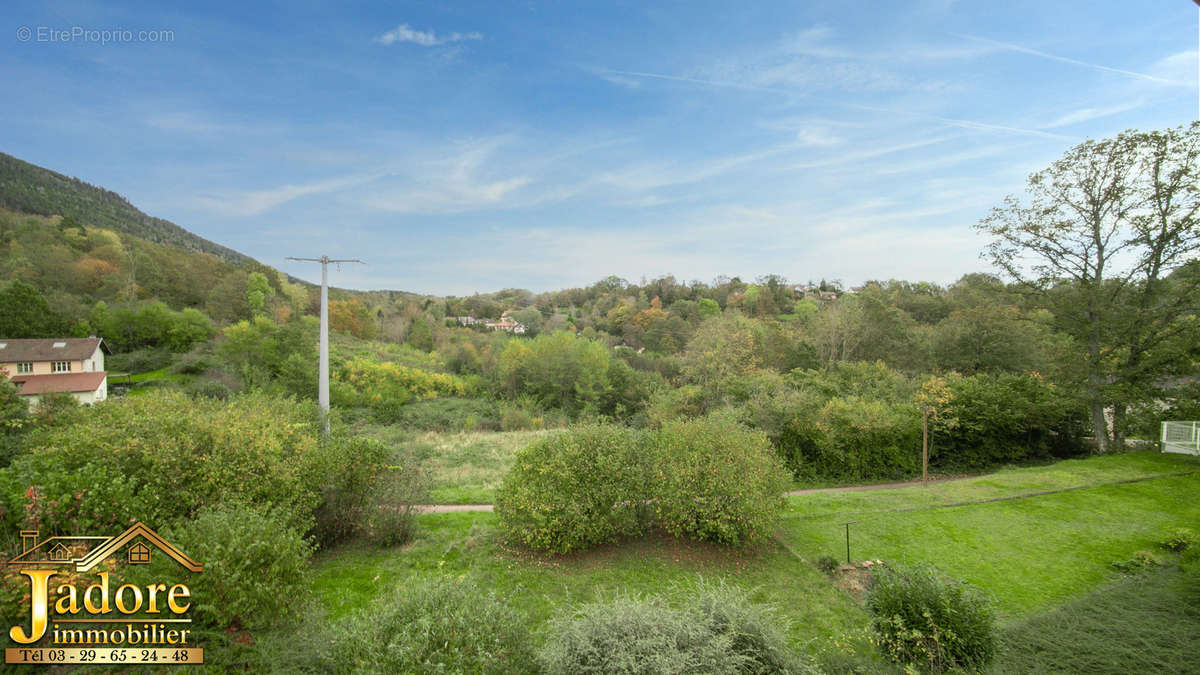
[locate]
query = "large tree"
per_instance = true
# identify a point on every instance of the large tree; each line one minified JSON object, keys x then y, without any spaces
{"x":1109,"y":236}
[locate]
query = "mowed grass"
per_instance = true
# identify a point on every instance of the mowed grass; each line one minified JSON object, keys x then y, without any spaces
{"x":1015,"y":482}
{"x":1030,"y":554}
{"x":467,"y":545}
{"x":1140,"y":624}
{"x":463,"y":467}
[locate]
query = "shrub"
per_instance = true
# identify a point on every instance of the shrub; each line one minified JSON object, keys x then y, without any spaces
{"x":707,"y":479}
{"x":855,"y":439}
{"x":194,"y":363}
{"x":557,"y":371}
{"x":575,"y":489}
{"x":167,"y":456}
{"x":370,"y":383}
{"x":255,"y":565}
{"x":1179,"y":540}
{"x":140,"y":361}
{"x":827,"y":564}
{"x":1140,"y":561}
{"x":994,"y":419}
{"x":390,"y":519}
{"x":758,"y":631}
{"x":719,"y":631}
{"x":716,"y":481}
{"x":515,"y":418}
{"x":206,"y":388}
{"x":923,"y":620}
{"x":345,"y":495}
{"x":448,"y":414}
{"x":422,"y":626}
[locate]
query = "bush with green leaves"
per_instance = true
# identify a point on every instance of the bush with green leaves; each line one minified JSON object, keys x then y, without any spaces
{"x":923,"y":619}
{"x":570,"y":373}
{"x":180,"y":454}
{"x":718,"y":630}
{"x":206,"y":388}
{"x":708,"y":479}
{"x":421,"y":626}
{"x":994,"y":419}
{"x":1179,"y":540}
{"x":390,"y":519}
{"x":163,"y":457}
{"x":715,"y":481}
{"x":255,"y":565}
{"x":139,"y":361}
{"x":576,"y":489}
{"x":1141,"y":561}
{"x":449,"y":413}
{"x":15,"y":421}
{"x":853,"y":438}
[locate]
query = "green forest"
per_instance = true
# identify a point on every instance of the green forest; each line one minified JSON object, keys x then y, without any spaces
{"x":652,"y":397}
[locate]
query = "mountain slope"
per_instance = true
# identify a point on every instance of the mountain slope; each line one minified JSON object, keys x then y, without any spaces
{"x":29,"y":188}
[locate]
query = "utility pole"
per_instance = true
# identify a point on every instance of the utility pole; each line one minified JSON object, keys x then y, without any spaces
{"x":323,"y":373}
{"x":925,"y":446}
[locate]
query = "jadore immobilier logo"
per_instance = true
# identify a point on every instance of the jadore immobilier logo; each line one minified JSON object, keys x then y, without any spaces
{"x":80,"y":605}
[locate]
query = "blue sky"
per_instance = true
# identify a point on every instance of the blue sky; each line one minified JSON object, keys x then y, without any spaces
{"x":471,"y":146}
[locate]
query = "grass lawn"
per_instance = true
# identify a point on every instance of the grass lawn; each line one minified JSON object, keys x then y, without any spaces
{"x":1032,"y":554}
{"x":1137,"y":624}
{"x":466,"y":545}
{"x":144,"y":383}
{"x":464,"y":467}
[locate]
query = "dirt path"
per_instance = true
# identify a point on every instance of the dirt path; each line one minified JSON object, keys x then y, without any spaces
{"x":459,"y":508}
{"x":451,"y":508}
{"x":882,"y":486}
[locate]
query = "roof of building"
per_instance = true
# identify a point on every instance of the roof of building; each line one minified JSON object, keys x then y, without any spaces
{"x":49,"y":349}
{"x":32,"y":385}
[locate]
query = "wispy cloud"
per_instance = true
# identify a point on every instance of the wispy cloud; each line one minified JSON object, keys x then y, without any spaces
{"x":256,"y":202}
{"x":1088,"y":114}
{"x":1063,"y":59}
{"x":406,"y":33}
{"x":950,"y":121}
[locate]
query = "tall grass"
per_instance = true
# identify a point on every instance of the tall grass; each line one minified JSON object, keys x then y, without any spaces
{"x":1141,"y":624}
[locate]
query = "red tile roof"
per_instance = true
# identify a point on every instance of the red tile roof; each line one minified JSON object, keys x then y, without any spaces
{"x":32,"y":385}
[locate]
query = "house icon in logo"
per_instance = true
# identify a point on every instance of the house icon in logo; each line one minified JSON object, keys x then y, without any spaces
{"x":84,"y":553}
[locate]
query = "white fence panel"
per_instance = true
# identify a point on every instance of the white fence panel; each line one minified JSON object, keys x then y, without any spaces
{"x":1181,"y":437}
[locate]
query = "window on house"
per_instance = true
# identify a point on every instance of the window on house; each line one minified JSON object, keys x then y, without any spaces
{"x":62,"y":366}
{"x":24,"y":368}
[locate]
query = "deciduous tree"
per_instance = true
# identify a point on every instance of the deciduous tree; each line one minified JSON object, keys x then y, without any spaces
{"x":1111,"y":229}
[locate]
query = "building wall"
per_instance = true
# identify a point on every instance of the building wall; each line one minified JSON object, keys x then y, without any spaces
{"x":84,"y":397}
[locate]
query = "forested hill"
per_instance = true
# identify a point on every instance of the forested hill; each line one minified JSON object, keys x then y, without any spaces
{"x":28,"y":188}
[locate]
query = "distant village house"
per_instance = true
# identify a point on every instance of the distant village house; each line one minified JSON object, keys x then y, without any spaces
{"x":505,"y":323}
{"x":56,"y":365}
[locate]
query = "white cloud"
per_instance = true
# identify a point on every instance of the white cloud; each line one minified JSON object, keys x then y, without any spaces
{"x":1087,"y":114}
{"x":1178,"y":69}
{"x":405,"y":33}
{"x":1076,"y":62}
{"x":256,"y":202}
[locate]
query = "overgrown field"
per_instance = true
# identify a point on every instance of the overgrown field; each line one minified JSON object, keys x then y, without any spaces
{"x":1032,"y":552}
{"x":465,"y":467}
